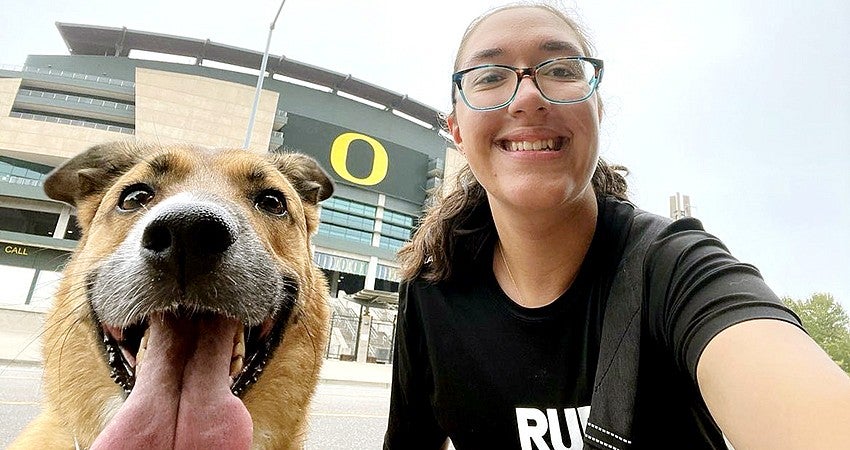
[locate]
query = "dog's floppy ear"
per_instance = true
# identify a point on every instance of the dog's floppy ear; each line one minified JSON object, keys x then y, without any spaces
{"x":309,"y":179}
{"x":90,"y":172}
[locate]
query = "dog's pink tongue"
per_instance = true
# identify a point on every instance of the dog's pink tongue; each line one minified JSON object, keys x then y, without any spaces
{"x":182,"y":396}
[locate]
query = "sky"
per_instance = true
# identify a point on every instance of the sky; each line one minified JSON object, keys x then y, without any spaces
{"x":743,"y":106}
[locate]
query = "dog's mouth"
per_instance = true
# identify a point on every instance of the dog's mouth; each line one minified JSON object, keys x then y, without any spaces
{"x":251,"y":348}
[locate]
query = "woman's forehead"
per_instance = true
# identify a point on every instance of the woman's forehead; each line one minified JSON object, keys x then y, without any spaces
{"x":521,"y":30}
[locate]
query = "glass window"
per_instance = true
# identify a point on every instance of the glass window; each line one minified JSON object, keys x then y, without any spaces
{"x":398,"y":218}
{"x":349,"y":206}
{"x":26,"y":221}
{"x":347,"y":220}
{"x":73,"y":231}
{"x":45,"y":288}
{"x":391,"y":243}
{"x":22,"y":172}
{"x":350,"y":283}
{"x":327,"y":229}
{"x":386,"y":285}
{"x":395,"y":231}
{"x":16,"y":283}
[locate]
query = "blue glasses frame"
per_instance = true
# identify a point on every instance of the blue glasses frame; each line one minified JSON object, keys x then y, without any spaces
{"x":522,"y":72}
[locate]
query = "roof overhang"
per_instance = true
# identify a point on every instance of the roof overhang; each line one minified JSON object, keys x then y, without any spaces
{"x":109,"y":41}
{"x":374,"y":299}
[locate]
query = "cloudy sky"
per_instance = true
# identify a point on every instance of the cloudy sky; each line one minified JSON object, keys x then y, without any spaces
{"x":743,"y":106}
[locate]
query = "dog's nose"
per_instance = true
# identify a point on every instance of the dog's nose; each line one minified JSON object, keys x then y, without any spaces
{"x":191,"y":234}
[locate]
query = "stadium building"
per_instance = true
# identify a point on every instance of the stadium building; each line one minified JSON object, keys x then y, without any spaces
{"x":384,"y":150}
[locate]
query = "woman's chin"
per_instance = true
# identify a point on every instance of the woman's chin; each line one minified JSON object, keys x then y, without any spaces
{"x":538,"y":197}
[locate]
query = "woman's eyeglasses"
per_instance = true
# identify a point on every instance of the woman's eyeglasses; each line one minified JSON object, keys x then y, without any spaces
{"x":560,"y":80}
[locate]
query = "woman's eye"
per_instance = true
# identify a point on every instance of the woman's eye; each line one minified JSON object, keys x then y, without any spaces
{"x":272,"y":202}
{"x":487,"y":77}
{"x":135,"y":197}
{"x":565,"y":71}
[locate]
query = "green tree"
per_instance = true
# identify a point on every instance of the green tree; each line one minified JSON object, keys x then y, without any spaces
{"x":827,"y":323}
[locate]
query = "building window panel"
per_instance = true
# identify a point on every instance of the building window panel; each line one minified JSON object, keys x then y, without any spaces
{"x":387,"y":273}
{"x":386,"y":285}
{"x":349,"y":206}
{"x":16,"y":282}
{"x":395,"y":231}
{"x":347,"y":220}
{"x":391,"y":243}
{"x":399,"y":218}
{"x":73,"y":230}
{"x":345,"y":233}
{"x":341,"y":263}
{"x":45,"y":288}
{"x":29,"y":222}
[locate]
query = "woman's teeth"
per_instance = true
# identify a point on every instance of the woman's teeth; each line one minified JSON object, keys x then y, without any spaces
{"x":526,"y":146}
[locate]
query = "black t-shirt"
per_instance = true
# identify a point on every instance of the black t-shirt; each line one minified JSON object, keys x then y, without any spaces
{"x":472,"y":365}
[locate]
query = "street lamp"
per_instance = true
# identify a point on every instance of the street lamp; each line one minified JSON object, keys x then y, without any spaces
{"x":260,"y":79}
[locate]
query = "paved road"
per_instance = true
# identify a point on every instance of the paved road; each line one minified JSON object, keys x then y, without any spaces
{"x":343,"y":416}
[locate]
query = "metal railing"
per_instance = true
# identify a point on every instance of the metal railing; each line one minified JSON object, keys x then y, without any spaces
{"x":78,"y":123}
{"x":381,"y":337}
{"x":23,"y":181}
{"x":67,"y":74}
{"x":343,"y":340}
{"x":78,"y":99}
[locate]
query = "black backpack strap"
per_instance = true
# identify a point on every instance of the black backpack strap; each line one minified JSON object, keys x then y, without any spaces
{"x":609,"y":426}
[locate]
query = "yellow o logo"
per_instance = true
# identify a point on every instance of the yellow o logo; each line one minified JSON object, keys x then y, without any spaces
{"x":339,"y":159}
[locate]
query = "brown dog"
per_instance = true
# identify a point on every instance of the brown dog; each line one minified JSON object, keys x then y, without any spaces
{"x":191,"y":315}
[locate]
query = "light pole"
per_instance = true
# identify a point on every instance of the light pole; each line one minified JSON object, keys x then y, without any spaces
{"x":260,"y":79}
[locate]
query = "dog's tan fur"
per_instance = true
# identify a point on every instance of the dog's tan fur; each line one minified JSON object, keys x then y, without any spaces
{"x":80,"y":397}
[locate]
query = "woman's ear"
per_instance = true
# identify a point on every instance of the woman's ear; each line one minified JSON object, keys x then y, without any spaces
{"x":454,"y":129}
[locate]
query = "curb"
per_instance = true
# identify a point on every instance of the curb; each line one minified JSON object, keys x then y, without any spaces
{"x":362,"y":383}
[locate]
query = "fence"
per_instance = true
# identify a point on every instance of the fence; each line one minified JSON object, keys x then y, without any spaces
{"x":343,"y":343}
{"x":381,"y":337}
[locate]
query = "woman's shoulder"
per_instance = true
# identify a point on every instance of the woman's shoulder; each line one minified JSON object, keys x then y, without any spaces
{"x":650,"y":239}
{"x":661,"y":231}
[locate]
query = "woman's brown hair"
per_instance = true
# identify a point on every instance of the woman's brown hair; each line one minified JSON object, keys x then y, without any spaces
{"x":458,"y":224}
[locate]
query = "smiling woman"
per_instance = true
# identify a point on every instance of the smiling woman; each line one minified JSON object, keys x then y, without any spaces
{"x":541,"y":309}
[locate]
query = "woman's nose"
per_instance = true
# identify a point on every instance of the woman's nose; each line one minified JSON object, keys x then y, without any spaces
{"x":528,"y":98}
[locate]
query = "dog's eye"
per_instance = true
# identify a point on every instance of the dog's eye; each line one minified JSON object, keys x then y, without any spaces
{"x":272,"y":202}
{"x":135,"y":197}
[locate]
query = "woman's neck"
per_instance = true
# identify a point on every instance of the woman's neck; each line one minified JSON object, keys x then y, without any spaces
{"x":539,"y":254}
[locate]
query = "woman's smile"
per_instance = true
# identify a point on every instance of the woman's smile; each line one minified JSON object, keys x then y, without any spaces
{"x":542,"y":145}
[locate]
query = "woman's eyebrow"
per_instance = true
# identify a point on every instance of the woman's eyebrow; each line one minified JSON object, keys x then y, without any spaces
{"x":560,"y":46}
{"x":548,"y":46}
{"x":485,"y":54}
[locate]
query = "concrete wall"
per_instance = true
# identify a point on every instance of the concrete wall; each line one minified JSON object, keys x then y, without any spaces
{"x":175,"y":108}
{"x":8,"y":90}
{"x":49,"y":143}
{"x":20,"y":334}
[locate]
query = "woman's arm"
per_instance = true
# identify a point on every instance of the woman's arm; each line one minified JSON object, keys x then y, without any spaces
{"x":764,"y":380}
{"x":770,"y":386}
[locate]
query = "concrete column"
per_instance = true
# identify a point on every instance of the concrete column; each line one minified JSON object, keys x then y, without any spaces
{"x":379,"y":221}
{"x":371,"y":273}
{"x":363,"y":339}
{"x":62,"y":223}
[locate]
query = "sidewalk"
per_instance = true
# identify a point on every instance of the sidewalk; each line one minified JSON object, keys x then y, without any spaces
{"x":20,"y":345}
{"x":347,"y":372}
{"x":333,"y":371}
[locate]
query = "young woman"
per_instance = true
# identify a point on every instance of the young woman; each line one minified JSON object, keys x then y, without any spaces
{"x":542,"y":310}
